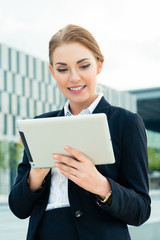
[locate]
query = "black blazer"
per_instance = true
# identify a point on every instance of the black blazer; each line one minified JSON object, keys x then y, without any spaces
{"x":128,"y":177}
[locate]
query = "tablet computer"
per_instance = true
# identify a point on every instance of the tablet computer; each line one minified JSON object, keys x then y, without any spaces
{"x":43,"y":137}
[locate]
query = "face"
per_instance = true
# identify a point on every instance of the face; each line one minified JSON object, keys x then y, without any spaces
{"x":75,"y":69}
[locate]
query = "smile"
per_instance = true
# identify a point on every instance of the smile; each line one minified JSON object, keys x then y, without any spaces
{"x":77,"y":88}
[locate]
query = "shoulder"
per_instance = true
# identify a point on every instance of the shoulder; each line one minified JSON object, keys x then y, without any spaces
{"x":125,"y":120}
{"x":117,"y":116}
{"x":124,"y":114}
{"x":49,"y":114}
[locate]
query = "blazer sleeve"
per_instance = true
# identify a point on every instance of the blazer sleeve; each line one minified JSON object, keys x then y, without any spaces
{"x":21,"y":199}
{"x":130,"y":198}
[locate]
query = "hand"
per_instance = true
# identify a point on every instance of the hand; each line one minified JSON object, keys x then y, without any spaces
{"x":82,"y":171}
{"x":20,"y":140}
{"x":36,"y":177}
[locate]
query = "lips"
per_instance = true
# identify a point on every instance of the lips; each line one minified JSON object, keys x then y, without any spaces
{"x":76,"y":88}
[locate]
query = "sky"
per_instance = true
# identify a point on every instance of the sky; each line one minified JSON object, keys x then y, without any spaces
{"x":127,"y":31}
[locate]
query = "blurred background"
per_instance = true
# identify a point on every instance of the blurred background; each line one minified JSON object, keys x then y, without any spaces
{"x":129,"y":36}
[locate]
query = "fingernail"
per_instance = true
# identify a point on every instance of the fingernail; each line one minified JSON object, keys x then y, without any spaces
{"x":66,"y":147}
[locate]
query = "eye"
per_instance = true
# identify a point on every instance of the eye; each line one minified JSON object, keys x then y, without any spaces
{"x":61,"y":69}
{"x":85,"y":66}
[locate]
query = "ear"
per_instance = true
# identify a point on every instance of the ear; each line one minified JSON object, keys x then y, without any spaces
{"x":99,"y":66}
{"x":51,"y":69}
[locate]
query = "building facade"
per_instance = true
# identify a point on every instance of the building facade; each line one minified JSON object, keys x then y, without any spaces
{"x":28,"y":89}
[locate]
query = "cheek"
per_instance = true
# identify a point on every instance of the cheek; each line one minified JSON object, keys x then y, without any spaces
{"x":60,"y":80}
{"x":90,"y":75}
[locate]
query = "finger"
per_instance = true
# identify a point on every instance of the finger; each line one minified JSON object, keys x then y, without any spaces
{"x":70,"y":176}
{"x":68,"y":169}
{"x":67,"y":160}
{"x":20,"y":140}
{"x":77,"y":154}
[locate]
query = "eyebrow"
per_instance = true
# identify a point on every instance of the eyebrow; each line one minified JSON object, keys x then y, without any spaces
{"x":82,"y":60}
{"x":64,"y":64}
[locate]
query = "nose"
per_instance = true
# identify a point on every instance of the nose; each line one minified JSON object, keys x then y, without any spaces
{"x":74,"y":76}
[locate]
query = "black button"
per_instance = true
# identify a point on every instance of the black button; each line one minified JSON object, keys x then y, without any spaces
{"x":78,"y":213}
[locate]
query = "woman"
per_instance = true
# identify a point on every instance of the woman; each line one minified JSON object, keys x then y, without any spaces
{"x":75,"y":199}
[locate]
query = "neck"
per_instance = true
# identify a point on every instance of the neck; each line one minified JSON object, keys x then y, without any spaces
{"x":76,"y":108}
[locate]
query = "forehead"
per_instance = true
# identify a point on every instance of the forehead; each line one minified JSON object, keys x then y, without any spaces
{"x":71,"y":52}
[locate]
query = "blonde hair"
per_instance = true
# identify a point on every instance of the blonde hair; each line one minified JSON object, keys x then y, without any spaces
{"x":73,"y":33}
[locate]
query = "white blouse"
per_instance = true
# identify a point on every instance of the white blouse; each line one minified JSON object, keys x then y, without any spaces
{"x":59,"y":183}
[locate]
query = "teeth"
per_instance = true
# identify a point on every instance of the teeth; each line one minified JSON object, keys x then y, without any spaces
{"x":76,"y":89}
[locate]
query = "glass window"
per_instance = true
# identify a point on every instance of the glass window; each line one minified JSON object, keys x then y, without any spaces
{"x":0,"y":101}
{"x":4,"y":57}
{"x":5,"y":81}
{"x":31,"y":108}
{"x":51,"y":79}
{"x":43,"y":107}
{"x":35,"y":89}
{"x":153,"y":139}
{"x":50,"y":107}
{"x":27,"y":86}
{"x":9,"y":125}
{"x":10,"y":103}
{"x":35,"y":107}
{"x":23,"y":107}
{"x":9,"y":82}
{"x":1,"y":124}
{"x":18,"y":105}
{"x":34,"y":68}
{"x":5,"y":102}
{"x":46,"y":92}
{"x":39,"y":91}
{"x":23,"y":86}
{"x":1,"y":79}
{"x":9,"y":59}
{"x":153,"y":151}
{"x":43,"y":74}
{"x":27,"y":65}
{"x":45,"y":68}
{"x":30,"y":67}
{"x":43,"y":91}
{"x":54,"y":94}
{"x":14,"y":125}
{"x":21,"y":63}
{"x":27,"y":103}
{"x":31,"y":88}
{"x":57,"y":95}
{"x":46,"y":107}
{"x":50,"y":93}
{"x":17,"y":62}
{"x":38,"y":72}
{"x":14,"y":104}
{"x":5,"y":124}
{"x":18,"y":84}
{"x":13,"y":60}
{"x":14,"y":83}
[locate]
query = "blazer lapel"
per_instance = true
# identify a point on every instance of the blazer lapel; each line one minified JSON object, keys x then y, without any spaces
{"x":103,"y":107}
{"x":61,"y":113}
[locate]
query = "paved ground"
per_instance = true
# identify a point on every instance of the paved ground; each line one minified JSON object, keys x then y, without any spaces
{"x":14,"y":228}
{"x":11,"y":227}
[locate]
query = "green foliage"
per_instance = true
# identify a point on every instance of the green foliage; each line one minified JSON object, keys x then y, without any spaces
{"x":4,"y":154}
{"x":154,"y":159}
{"x":10,"y":154}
